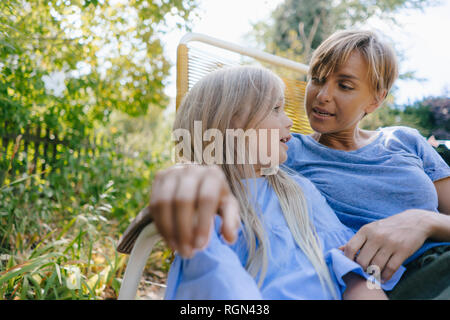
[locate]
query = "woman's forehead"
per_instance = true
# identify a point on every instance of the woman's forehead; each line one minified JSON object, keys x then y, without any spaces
{"x":353,"y":66}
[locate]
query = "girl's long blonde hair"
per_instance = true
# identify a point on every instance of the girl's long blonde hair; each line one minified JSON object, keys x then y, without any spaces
{"x":249,"y":94}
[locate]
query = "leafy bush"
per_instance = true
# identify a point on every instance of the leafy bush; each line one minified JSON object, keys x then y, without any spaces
{"x":58,"y":232}
{"x":68,"y":67}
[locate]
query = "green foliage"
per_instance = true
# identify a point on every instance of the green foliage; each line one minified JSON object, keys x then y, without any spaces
{"x":416,"y":116}
{"x":440,"y":110}
{"x":79,"y":69}
{"x":429,"y":116}
{"x":71,"y":63}
{"x":58,"y":234}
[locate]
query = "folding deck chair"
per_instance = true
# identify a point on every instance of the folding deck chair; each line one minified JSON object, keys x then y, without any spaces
{"x":198,"y":55}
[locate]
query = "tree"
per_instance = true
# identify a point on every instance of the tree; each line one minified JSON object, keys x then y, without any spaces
{"x":68,"y":64}
{"x":431,"y":116}
{"x":440,"y":111}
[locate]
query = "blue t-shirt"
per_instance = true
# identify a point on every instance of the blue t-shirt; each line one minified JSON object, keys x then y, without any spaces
{"x":393,"y":173}
{"x":218,"y":272}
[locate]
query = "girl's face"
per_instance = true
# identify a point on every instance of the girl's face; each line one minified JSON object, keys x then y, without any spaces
{"x":338,"y":103}
{"x":275,"y":128}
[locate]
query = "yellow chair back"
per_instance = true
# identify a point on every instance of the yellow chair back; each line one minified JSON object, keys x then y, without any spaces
{"x":193,"y":63}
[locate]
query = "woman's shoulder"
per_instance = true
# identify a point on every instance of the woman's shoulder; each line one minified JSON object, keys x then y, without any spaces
{"x":405,"y":137}
{"x":400,"y":131}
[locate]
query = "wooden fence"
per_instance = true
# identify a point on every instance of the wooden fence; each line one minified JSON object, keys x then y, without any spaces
{"x":38,"y":150}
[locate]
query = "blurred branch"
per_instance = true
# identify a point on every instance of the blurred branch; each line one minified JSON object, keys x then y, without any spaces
{"x":307,"y":40}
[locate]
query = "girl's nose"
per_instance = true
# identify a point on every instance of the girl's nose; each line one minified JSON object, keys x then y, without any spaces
{"x":287,"y":122}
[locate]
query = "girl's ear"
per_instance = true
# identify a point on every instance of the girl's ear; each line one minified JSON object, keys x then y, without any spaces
{"x":376,"y":102}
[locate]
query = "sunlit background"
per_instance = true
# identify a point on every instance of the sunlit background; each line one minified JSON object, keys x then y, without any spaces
{"x":420,"y":36}
{"x":87,"y":101}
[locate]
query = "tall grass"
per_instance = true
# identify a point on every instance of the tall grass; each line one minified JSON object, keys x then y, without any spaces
{"x":58,"y":233}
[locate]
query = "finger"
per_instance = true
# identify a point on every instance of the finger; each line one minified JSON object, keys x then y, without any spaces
{"x":381,"y":258}
{"x":354,"y":245}
{"x":161,"y":199}
{"x":184,"y":219}
{"x":207,"y":206}
{"x":391,"y":267}
{"x":229,"y":211}
{"x":367,"y":253}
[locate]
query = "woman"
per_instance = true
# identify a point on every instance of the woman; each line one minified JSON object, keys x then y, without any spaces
{"x":370,"y":175}
{"x":389,"y":185}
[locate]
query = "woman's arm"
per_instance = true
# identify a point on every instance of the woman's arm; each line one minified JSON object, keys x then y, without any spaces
{"x":443,"y":190}
{"x":388,"y":242}
{"x":185,"y":193}
{"x":357,"y":289}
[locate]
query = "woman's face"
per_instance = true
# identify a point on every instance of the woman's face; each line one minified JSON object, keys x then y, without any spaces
{"x":338,"y":103}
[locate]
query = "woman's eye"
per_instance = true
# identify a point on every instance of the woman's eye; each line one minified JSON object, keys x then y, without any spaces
{"x":345,"y":86}
{"x":315,"y":80}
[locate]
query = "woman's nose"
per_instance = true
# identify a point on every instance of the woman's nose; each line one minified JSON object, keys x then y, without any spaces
{"x":325,"y":93}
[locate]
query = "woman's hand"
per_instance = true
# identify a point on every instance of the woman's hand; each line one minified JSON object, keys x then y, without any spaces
{"x":388,"y":242}
{"x":183,"y":202}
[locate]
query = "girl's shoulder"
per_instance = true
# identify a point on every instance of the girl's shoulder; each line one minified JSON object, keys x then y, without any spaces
{"x":308,"y":188}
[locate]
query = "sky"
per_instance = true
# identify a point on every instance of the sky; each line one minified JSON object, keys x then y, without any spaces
{"x":422,"y":38}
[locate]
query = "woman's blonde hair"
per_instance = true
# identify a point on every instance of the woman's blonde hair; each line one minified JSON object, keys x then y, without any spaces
{"x":250,"y":94}
{"x":379,"y":55}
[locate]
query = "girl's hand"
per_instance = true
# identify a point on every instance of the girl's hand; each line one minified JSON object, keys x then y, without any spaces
{"x":388,"y":242}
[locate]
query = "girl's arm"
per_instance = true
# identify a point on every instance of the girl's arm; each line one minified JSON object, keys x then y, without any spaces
{"x":357,"y":289}
{"x":216,"y":272}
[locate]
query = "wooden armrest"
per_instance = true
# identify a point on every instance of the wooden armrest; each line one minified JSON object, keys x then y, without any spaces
{"x":130,"y":235}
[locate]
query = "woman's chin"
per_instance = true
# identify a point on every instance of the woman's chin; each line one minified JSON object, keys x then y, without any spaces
{"x":319,"y":127}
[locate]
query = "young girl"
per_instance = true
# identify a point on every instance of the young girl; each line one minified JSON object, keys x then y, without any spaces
{"x":288,"y":240}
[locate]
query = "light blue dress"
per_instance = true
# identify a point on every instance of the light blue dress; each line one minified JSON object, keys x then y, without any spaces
{"x":390,"y":175}
{"x":218,"y":271}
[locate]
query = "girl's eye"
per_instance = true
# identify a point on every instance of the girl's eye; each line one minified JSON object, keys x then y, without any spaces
{"x":277,"y":108}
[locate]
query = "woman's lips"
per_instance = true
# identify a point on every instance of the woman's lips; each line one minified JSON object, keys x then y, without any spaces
{"x":321,"y":113}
